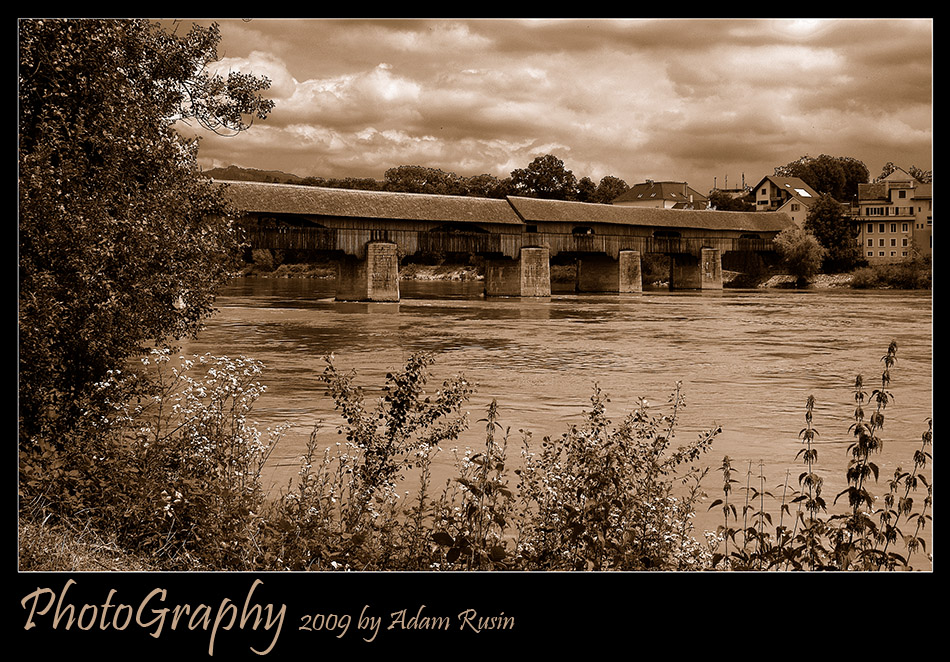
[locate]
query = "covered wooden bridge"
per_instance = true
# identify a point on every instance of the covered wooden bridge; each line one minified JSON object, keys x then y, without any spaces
{"x":369,"y":231}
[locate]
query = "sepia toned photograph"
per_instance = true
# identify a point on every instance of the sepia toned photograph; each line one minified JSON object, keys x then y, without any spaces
{"x":311,"y":309}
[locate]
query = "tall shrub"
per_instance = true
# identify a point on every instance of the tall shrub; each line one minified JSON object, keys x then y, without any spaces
{"x":800,"y":252}
{"x":121,"y":242}
{"x":602,"y":497}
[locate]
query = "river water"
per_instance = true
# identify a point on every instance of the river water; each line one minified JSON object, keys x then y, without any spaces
{"x":747,"y":361}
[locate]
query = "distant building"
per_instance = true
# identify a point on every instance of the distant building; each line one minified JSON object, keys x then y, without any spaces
{"x":895,"y":218}
{"x":788,"y":194}
{"x":662,"y":195}
{"x":735,"y":193}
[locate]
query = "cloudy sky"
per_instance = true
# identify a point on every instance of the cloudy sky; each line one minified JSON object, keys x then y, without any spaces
{"x":706,"y":101}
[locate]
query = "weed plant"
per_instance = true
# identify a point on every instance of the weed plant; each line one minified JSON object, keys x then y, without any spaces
{"x":865,"y":535}
{"x":602,"y":497}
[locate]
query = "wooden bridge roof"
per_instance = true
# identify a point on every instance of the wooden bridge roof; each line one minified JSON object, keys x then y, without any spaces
{"x":263,"y":197}
{"x":534,"y":210}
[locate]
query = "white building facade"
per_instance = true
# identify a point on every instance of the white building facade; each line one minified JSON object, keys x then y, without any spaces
{"x":895,"y":219}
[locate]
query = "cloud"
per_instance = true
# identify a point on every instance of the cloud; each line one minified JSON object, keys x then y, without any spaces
{"x":671,"y":98}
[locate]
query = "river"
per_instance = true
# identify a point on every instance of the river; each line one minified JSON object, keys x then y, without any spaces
{"x":747,"y":361}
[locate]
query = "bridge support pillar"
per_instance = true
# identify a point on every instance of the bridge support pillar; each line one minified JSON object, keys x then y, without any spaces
{"x":688,"y":272}
{"x":527,"y":276}
{"x":601,"y":273}
{"x":373,"y":278}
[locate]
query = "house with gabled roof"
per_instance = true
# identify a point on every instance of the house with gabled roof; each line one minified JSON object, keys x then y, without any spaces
{"x":662,"y":195}
{"x":788,"y":194}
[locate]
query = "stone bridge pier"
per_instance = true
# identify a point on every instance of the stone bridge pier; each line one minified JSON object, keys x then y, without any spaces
{"x":689,"y":272}
{"x":602,"y":273}
{"x":528,"y":275}
{"x":374,"y":277}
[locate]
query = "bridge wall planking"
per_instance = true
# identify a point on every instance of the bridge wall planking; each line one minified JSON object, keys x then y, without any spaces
{"x":354,"y":241}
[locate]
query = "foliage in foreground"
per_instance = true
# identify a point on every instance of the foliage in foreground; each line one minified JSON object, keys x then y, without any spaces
{"x":167,"y":465}
{"x":177,"y":482}
{"x":122,"y":244}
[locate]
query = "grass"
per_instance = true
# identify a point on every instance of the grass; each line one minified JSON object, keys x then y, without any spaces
{"x":48,"y":547}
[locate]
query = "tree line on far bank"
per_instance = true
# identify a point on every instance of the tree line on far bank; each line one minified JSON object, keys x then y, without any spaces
{"x":547,"y":177}
{"x":544,"y":177}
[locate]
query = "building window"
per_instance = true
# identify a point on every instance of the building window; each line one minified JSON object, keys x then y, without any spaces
{"x":870,"y":242}
{"x":881,"y":228}
{"x":893,"y":242}
{"x":904,"y":241}
{"x":870,"y":227}
{"x":881,"y":254}
{"x":870,"y":253}
{"x":893,"y":227}
{"x":904,"y":227}
{"x":902,"y":194}
{"x":880,"y":242}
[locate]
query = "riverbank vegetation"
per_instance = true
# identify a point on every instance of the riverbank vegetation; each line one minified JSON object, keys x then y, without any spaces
{"x":168,"y":472}
{"x":913,"y":274}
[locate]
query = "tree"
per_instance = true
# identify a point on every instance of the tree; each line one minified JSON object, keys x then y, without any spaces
{"x":609,"y":189}
{"x":922,"y":176}
{"x":545,"y":177}
{"x":830,"y":224}
{"x":887,"y":169}
{"x":586,"y":190}
{"x":486,"y":186}
{"x":800,"y":252}
{"x":838,"y":176}
{"x":121,"y":243}
{"x":422,"y":179}
{"x":725,"y":202}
